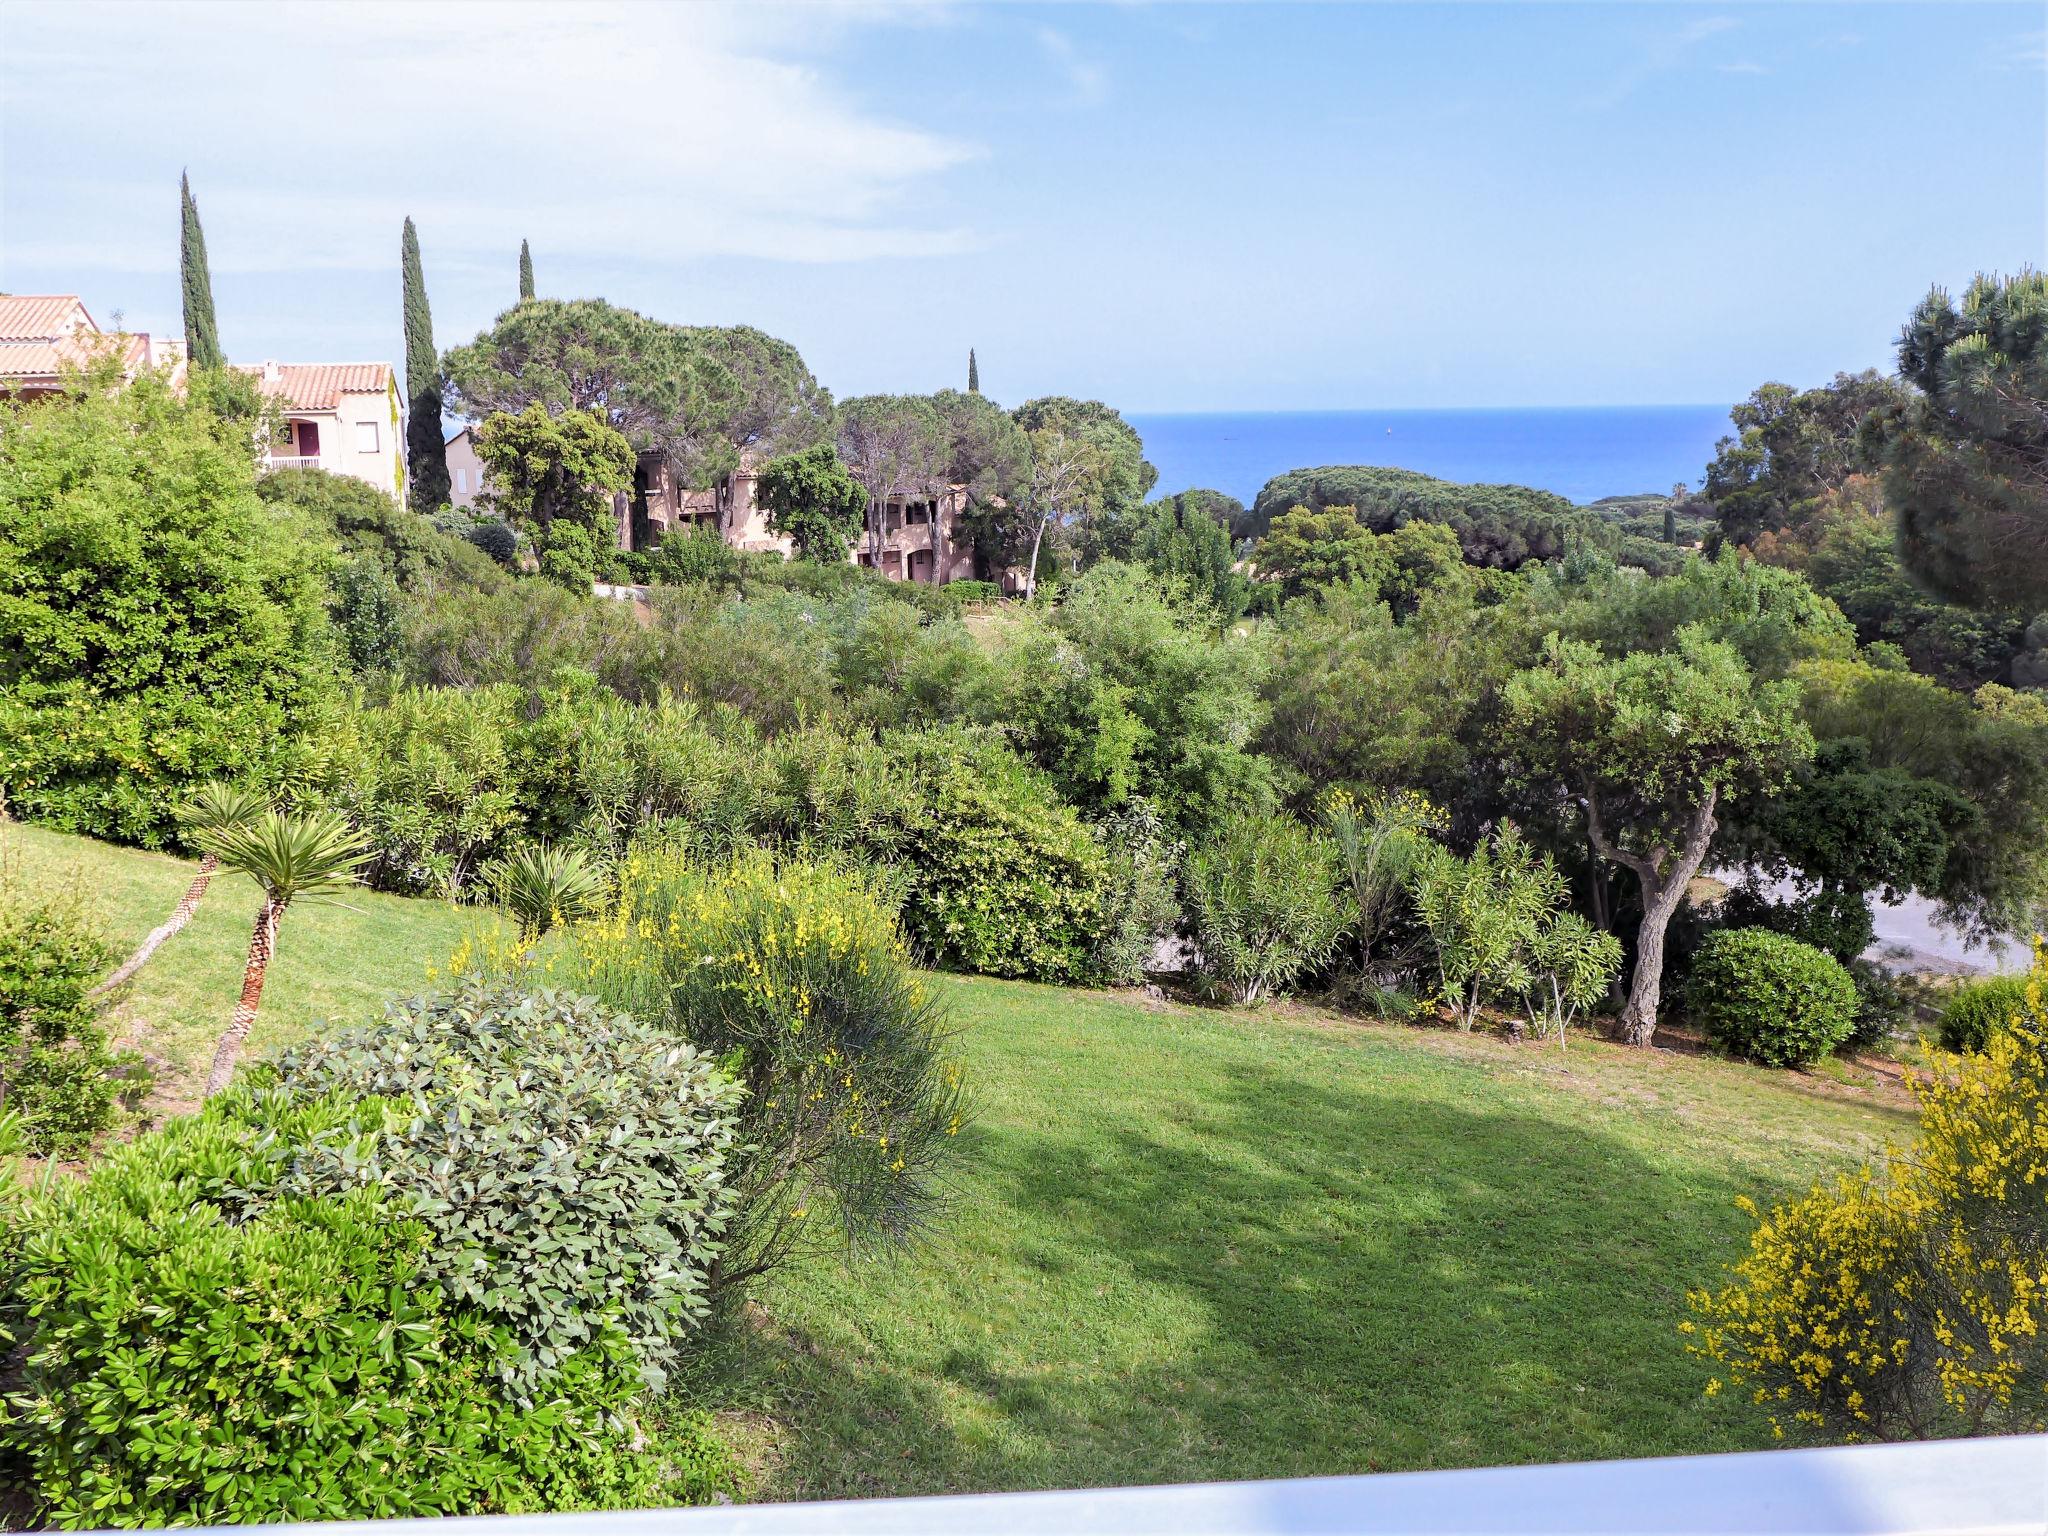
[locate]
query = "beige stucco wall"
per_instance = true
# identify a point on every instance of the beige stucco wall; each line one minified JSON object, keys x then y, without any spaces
{"x":465,"y":473}
{"x":360,"y":437}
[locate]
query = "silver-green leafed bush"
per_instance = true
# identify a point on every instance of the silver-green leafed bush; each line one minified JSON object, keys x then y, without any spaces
{"x":569,"y":1162}
{"x":195,"y":1350}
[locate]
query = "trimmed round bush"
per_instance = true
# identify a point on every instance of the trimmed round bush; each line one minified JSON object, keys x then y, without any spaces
{"x":1977,"y":1010}
{"x":1770,"y":998}
{"x":197,"y":1351}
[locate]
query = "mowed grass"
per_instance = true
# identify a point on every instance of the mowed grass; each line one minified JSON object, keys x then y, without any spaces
{"x":1187,"y":1244}
{"x":333,"y":961}
{"x":1190,"y":1244}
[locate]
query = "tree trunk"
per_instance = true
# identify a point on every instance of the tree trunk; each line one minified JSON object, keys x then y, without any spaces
{"x":1603,"y":911}
{"x":180,"y":916}
{"x":262,"y":945}
{"x":1664,"y":877}
{"x":1031,"y":575}
{"x":938,"y":543}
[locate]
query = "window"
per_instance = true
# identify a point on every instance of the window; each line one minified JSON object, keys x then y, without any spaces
{"x":366,"y":436}
{"x":285,"y":433}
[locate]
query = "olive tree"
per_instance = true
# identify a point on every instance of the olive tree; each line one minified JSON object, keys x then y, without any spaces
{"x":1650,"y":745}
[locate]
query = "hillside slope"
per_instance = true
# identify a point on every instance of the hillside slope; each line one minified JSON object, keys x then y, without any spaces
{"x":1187,"y":1244}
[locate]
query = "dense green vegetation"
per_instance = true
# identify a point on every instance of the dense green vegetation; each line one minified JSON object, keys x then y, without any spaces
{"x":1181,"y":1243}
{"x":1427,"y":753}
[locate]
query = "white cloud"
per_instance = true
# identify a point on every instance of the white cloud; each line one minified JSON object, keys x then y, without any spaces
{"x":599,"y":130}
{"x":1665,"y":52}
{"x":1085,"y":78}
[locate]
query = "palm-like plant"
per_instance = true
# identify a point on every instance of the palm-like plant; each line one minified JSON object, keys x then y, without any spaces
{"x":291,"y":858}
{"x":212,"y":807}
{"x":542,"y":886}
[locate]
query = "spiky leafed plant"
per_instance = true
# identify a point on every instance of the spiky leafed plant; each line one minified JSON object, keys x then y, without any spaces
{"x":212,"y":806}
{"x":542,"y":886}
{"x":290,"y":858}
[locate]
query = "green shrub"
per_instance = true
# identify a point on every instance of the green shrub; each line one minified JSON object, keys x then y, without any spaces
{"x":1139,"y":900}
{"x":765,"y":656}
{"x":797,"y":972}
{"x":996,"y":873}
{"x":1062,"y":712}
{"x":1976,"y":1010}
{"x":358,"y":521}
{"x":56,"y":1072}
{"x":189,"y":1361}
{"x":365,"y":616}
{"x":1837,"y":921}
{"x":695,"y":557}
{"x":428,"y":777}
{"x":495,"y":539}
{"x":526,"y":632}
{"x":1770,"y":998}
{"x":567,"y":1163}
{"x":1194,"y":691}
{"x":1004,"y":878}
{"x":161,"y":626}
{"x":967,"y":594}
{"x":1501,"y":932}
{"x":1261,"y":895}
{"x":595,"y":770}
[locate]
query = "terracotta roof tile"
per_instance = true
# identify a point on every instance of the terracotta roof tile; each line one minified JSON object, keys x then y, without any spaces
{"x":46,"y":359}
{"x":316,"y":386}
{"x":38,"y":316}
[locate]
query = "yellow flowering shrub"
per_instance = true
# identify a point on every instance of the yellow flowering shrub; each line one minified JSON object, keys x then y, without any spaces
{"x":1908,"y":1302}
{"x":796,"y":977}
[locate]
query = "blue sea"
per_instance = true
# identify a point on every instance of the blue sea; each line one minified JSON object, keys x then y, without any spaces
{"x":1580,"y":452}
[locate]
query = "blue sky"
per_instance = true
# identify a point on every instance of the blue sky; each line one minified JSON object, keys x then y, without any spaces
{"x":1168,"y":207}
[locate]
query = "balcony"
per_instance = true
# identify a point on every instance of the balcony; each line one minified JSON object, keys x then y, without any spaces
{"x":288,"y":461}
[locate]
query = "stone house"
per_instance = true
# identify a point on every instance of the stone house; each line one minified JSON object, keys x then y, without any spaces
{"x":659,"y":505}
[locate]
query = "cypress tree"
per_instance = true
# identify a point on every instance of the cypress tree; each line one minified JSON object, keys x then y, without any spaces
{"x":1670,"y":523}
{"x":424,"y":447}
{"x":973,"y":374}
{"x":202,"y":335}
{"x":525,"y":273}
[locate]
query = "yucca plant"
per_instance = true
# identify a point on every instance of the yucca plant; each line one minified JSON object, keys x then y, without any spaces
{"x":291,"y":858}
{"x":212,"y":806}
{"x":542,"y":886}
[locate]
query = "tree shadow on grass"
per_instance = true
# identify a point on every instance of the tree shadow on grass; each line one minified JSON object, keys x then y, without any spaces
{"x":1285,"y":1279}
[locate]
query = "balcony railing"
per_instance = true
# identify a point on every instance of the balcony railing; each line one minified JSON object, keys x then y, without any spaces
{"x":1985,"y":1487}
{"x":294,"y":461}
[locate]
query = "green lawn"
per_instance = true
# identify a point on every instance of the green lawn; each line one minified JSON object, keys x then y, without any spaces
{"x":1193,"y":1244}
{"x":332,"y":962}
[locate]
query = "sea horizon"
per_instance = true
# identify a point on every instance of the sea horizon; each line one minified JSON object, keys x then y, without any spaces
{"x":1580,"y":452}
